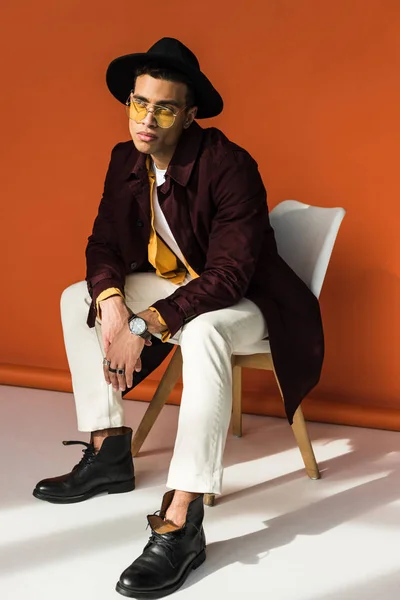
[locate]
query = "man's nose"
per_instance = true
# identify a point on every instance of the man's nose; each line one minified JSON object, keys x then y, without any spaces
{"x":149,"y":120}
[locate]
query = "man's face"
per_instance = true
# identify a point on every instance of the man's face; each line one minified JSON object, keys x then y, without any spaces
{"x":147,"y":135}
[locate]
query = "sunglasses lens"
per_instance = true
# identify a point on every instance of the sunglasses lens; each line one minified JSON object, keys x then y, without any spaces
{"x":136,"y":111}
{"x":164,"y":117}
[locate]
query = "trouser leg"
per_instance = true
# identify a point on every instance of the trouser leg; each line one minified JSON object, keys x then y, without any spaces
{"x":207,"y":344}
{"x":98,"y":406}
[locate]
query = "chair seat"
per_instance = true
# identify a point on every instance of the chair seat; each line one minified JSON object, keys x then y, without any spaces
{"x":261,"y":347}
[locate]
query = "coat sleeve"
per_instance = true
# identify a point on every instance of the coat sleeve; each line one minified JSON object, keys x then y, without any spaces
{"x":104,"y":265}
{"x":235,"y":243}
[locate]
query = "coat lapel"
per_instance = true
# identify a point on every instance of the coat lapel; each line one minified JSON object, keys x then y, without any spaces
{"x":175,"y":202}
{"x":181,"y":166}
{"x":138,"y":183}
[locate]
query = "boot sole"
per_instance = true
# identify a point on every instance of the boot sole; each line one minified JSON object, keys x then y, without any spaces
{"x":113,"y":488}
{"x":154,"y":594}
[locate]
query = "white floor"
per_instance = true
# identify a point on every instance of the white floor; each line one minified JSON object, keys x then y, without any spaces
{"x":274,"y":534}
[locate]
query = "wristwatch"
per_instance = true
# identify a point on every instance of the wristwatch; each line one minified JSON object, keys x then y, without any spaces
{"x":138,"y":326}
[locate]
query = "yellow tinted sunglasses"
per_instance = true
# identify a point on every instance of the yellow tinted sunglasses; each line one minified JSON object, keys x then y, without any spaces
{"x":137,"y":110}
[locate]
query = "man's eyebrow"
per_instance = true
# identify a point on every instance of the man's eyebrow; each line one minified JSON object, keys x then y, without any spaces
{"x":162,"y":102}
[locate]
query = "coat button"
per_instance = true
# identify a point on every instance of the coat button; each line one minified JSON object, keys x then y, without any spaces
{"x":133,"y":266}
{"x":139,"y":223}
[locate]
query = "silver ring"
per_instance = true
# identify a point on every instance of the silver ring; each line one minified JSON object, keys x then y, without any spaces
{"x":106,"y":363}
{"x":120,"y":371}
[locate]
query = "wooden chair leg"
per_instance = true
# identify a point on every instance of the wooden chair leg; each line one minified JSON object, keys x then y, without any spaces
{"x":209,"y":499}
{"x":300,"y":432}
{"x":299,"y":428}
{"x":237,"y":400}
{"x":166,"y":385}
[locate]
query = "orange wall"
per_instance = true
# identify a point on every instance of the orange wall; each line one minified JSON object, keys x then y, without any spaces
{"x":311,"y":89}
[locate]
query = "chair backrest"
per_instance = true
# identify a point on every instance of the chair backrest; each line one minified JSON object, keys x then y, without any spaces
{"x":305,"y":236}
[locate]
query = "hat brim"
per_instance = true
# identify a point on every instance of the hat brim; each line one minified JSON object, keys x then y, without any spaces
{"x":121,"y":74}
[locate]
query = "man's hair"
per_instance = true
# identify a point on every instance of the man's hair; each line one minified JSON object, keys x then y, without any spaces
{"x":169,"y":75}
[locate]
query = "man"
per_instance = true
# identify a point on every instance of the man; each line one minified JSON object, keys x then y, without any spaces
{"x":181,"y":251}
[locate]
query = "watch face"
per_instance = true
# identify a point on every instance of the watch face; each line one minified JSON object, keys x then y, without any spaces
{"x":138,"y":326}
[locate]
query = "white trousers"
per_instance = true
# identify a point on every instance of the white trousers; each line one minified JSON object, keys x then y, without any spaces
{"x":207,"y":343}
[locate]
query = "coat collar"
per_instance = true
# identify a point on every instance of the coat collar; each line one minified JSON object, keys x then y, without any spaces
{"x":181,"y":166}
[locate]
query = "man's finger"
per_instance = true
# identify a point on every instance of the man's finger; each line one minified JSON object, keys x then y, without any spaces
{"x":106,"y":374}
{"x":138,"y":366}
{"x":121,"y":378}
{"x":129,"y":369}
{"x":113,"y":377}
{"x":114,"y":382}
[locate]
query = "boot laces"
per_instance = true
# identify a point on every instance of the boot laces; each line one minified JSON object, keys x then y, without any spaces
{"x":89,"y":453}
{"x":167,"y":542}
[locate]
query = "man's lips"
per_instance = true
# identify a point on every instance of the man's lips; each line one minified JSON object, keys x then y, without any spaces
{"x":146,"y":137}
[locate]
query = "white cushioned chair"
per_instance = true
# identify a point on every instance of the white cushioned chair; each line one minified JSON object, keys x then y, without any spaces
{"x":305,"y":237}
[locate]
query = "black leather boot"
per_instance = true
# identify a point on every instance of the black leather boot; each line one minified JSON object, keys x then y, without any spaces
{"x":168,"y":557}
{"x":109,"y":470}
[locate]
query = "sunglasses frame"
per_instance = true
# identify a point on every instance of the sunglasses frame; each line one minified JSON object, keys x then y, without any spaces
{"x":154,"y":107}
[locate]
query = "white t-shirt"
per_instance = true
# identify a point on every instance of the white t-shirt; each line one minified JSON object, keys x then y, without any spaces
{"x":160,"y":222}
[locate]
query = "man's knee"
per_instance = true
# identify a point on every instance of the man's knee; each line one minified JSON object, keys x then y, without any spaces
{"x":75,"y":293}
{"x":206,"y":327}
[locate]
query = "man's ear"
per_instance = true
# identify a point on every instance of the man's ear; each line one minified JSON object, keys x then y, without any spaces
{"x":190,"y":117}
{"x":194,"y":111}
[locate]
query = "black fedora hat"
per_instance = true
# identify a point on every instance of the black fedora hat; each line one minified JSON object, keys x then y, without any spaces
{"x":169,"y":53}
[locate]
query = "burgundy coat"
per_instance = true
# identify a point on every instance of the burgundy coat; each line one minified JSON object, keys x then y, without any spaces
{"x":215,"y":203}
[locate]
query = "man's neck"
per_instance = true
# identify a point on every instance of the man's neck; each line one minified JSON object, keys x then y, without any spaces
{"x":162,"y":160}
{"x":159,"y":166}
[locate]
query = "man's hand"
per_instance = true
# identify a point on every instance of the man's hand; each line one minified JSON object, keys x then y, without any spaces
{"x":124,"y":353}
{"x":114,"y":316}
{"x":121,"y":347}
